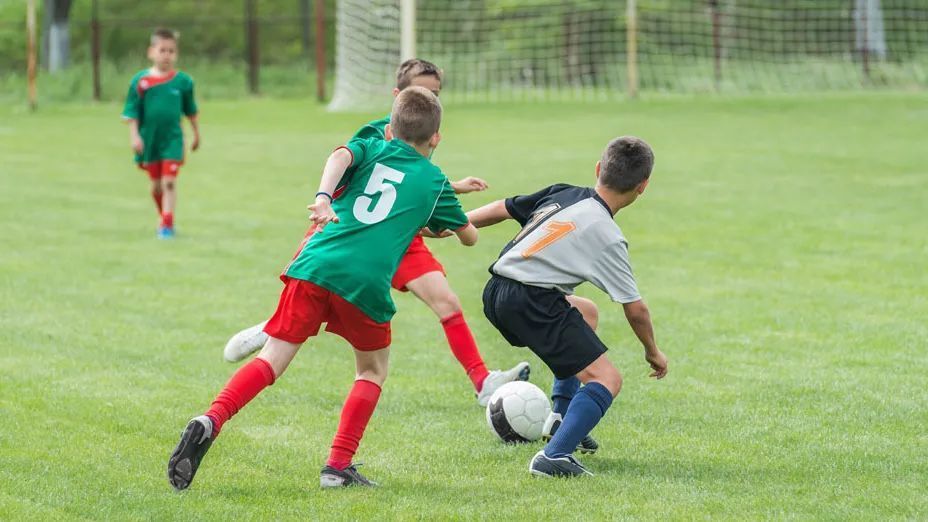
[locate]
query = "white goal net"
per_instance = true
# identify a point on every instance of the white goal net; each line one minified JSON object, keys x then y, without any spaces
{"x":505,"y":50}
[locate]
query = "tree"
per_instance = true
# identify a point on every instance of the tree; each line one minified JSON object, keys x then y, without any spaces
{"x":56,"y":37}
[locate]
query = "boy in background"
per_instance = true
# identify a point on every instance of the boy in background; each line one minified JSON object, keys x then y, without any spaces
{"x":342,"y":275}
{"x":568,"y":237}
{"x":157,"y":98}
{"x":419,"y":271}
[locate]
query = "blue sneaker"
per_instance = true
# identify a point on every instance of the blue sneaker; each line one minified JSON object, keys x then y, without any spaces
{"x":165,"y":233}
{"x":566,"y":466}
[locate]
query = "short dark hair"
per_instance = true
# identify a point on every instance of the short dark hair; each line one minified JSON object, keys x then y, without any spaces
{"x":416,"y":115}
{"x":626,"y":162}
{"x":413,"y":68}
{"x":163,"y":33}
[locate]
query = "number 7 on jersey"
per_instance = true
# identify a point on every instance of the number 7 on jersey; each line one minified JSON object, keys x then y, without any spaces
{"x":556,"y":231}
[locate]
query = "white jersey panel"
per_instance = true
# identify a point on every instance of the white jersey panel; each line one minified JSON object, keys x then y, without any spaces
{"x":561,"y":248}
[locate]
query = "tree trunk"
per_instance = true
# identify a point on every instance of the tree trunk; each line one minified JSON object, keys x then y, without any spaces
{"x":56,"y":35}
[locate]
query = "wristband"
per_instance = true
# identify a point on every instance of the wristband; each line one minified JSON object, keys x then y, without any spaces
{"x":326,"y":194}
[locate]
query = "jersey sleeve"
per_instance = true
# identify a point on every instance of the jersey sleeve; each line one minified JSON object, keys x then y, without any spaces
{"x":611,"y":272}
{"x":447,"y":214}
{"x":358,"y":150}
{"x":521,"y":207}
{"x":189,"y":101}
{"x":373,"y":129}
{"x":131,"y":109}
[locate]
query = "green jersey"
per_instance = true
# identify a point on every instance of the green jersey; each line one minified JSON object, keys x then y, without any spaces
{"x":392,"y":192}
{"x":158,"y":103}
{"x":374,"y":129}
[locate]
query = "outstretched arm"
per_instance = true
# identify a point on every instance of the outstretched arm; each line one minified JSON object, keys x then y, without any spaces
{"x":467,"y":235}
{"x":469,"y":184}
{"x":332,"y":174}
{"x":490,"y":214}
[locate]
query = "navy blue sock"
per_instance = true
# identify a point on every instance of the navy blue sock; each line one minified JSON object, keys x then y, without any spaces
{"x":562,"y":392}
{"x":584,"y":412}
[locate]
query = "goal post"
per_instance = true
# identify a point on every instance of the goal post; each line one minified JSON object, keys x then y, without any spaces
{"x":31,"y":55}
{"x":578,"y":50}
{"x":407,"y":29}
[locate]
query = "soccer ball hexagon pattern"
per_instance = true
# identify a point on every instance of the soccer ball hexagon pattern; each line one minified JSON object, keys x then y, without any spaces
{"x":517,"y":412}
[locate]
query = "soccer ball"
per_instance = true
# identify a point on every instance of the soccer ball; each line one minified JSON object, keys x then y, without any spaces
{"x":517,"y":412}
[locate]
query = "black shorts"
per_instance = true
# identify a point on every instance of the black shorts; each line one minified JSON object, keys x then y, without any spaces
{"x":542,"y":320}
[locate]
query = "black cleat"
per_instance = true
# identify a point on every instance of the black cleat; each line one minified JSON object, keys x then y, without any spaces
{"x":193,"y":445}
{"x":335,"y":478}
{"x":567,"y":466}
{"x":588,"y":445}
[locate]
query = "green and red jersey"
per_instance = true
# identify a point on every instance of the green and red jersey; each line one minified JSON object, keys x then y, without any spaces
{"x":373,"y":129}
{"x":391,"y":192}
{"x":158,"y":103}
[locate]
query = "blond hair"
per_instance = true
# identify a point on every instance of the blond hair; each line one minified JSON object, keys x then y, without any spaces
{"x":416,"y":115}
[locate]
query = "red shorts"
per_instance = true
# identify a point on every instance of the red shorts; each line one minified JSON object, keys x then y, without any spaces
{"x":417,"y":261}
{"x":304,"y":306}
{"x":159,"y":169}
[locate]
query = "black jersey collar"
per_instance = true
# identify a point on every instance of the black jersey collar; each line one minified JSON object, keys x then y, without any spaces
{"x":602,"y":202}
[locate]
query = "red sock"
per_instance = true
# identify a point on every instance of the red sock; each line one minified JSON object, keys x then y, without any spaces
{"x":464,"y":348}
{"x":247,"y":382}
{"x":357,"y":411}
{"x":157,"y":197}
{"x":167,"y":219}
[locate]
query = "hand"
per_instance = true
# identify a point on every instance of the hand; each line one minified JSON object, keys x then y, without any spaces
{"x":137,"y":145}
{"x":195,"y":142}
{"x":322,"y":212}
{"x":658,"y":362}
{"x":469,"y":184}
{"x":427,"y":232}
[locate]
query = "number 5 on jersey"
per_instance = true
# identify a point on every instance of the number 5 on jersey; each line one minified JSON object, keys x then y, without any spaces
{"x":556,"y":230}
{"x":377,"y":184}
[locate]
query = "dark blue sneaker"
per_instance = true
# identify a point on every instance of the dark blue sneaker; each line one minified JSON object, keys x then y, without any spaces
{"x":194,"y":443}
{"x":567,"y":466}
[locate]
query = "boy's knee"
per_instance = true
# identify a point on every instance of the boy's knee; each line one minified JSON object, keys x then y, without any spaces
{"x":444,"y":303}
{"x":278,"y":354}
{"x":613,"y":383}
{"x":603,"y":372}
{"x":377,"y":376}
{"x":167,"y":183}
{"x":372,"y":365}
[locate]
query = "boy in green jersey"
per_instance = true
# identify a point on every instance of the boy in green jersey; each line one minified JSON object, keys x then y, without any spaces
{"x":342,"y":276}
{"x":419,"y":272}
{"x":157,"y":99}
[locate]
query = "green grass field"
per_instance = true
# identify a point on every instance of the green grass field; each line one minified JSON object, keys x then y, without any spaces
{"x":781,"y":246}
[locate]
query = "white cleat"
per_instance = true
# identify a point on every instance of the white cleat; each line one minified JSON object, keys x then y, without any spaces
{"x":552,"y":423}
{"x":588,"y":445}
{"x":245,"y":343}
{"x":497,"y":378}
